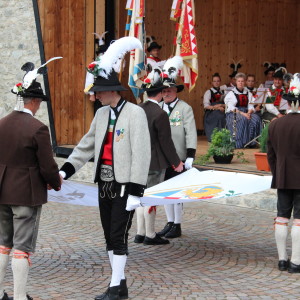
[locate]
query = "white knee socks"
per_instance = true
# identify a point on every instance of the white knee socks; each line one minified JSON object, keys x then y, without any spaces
{"x":4,"y":259}
{"x":20,"y":268}
{"x":119,"y":263}
{"x":295,"y":233}
{"x":174,"y":212}
{"x":178,"y":213}
{"x":141,"y":230}
{"x":111,"y":259}
{"x":169,"y":208}
{"x":150,"y":222}
{"x":281,"y":232}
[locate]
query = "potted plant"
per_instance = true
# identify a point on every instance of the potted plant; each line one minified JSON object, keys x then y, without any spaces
{"x":261,"y":157}
{"x":222,"y":146}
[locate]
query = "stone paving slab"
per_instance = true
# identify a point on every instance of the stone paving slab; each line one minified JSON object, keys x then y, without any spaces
{"x":226,"y":252}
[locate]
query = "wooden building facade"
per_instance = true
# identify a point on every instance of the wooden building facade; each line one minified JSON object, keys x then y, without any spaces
{"x":252,"y":30}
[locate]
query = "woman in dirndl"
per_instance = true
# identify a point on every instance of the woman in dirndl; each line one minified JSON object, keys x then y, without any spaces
{"x":241,"y":119}
{"x":214,"y":107}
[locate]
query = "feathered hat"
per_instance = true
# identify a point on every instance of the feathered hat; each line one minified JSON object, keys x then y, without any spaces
{"x":170,"y":72}
{"x":151,"y":43}
{"x":154,"y":81}
{"x":30,"y":88}
{"x":106,"y":78}
{"x":101,"y":47}
{"x":235,"y":67}
{"x":280,"y":72}
{"x":293,"y":94}
{"x":269,"y":67}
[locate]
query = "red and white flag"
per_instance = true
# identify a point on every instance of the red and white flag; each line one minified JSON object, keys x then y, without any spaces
{"x":186,"y":43}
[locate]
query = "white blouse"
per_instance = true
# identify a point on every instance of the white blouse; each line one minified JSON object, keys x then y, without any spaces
{"x":231,"y":100}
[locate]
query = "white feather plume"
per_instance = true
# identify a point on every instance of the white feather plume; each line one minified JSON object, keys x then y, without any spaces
{"x":116,"y":51}
{"x":154,"y":76}
{"x":30,"y":76}
{"x":172,"y":67}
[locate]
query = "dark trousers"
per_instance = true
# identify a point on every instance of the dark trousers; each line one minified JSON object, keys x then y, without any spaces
{"x":116,"y":220}
{"x":287,"y":201}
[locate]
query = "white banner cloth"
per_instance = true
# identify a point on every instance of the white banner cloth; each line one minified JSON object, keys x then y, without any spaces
{"x":190,"y":186}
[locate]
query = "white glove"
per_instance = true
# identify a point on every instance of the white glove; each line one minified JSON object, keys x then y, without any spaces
{"x":188,"y":163}
{"x":133,"y":202}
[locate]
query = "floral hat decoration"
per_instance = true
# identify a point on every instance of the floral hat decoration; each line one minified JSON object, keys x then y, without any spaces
{"x":105,"y":68}
{"x":293,"y":94}
{"x":29,"y":87}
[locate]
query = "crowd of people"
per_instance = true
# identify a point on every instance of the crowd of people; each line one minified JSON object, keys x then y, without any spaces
{"x":237,"y":107}
{"x":134,"y":147}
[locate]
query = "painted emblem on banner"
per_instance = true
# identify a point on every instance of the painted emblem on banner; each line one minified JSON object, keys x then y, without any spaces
{"x":176,"y":119}
{"x":120,"y":134}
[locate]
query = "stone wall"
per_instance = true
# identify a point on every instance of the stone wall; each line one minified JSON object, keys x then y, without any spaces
{"x":18,"y":45}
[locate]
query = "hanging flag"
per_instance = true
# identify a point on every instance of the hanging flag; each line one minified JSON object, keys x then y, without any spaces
{"x":176,"y":10}
{"x":186,"y":43}
{"x":137,"y":57}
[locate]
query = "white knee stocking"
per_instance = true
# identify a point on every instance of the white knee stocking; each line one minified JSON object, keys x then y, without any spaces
{"x":20,"y":268}
{"x":141,"y":230}
{"x":150,"y":222}
{"x":281,"y":233}
{"x":295,"y":259}
{"x":119,"y":263}
{"x":178,"y":213}
{"x":169,"y":208}
{"x":4,"y":259}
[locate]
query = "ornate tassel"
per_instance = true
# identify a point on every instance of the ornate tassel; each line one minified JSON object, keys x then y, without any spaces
{"x":20,"y":103}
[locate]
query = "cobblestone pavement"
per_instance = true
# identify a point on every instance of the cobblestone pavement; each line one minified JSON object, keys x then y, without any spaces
{"x":226,"y":252}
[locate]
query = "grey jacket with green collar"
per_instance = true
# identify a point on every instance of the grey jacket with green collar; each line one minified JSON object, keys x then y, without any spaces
{"x":183,"y":129}
{"x":131,"y":153}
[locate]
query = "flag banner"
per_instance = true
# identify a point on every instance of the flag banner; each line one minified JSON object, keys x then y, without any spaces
{"x":190,"y":186}
{"x":129,"y":4}
{"x":176,"y":9}
{"x":186,"y":44}
{"x":137,"y":57}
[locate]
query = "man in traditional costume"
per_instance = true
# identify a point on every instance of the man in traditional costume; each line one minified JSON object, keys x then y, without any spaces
{"x":284,"y":157}
{"x":163,"y":155}
{"x":276,"y":106}
{"x":119,"y":142}
{"x":153,"y":59}
{"x":184,"y":136}
{"x":26,"y":167}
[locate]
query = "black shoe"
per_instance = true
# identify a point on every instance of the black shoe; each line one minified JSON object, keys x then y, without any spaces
{"x":5,"y":297}
{"x":174,"y":232}
{"x":293,"y":268}
{"x":139,"y":239}
{"x":112,"y":293}
{"x":29,"y":298}
{"x":166,"y":229}
{"x":283,"y":265}
{"x":123,"y":291}
{"x":157,"y":240}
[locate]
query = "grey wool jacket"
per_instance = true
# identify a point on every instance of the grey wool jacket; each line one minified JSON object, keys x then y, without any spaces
{"x":131,"y":147}
{"x":183,"y":129}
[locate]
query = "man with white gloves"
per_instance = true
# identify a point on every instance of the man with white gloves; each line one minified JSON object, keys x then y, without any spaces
{"x":119,"y":142}
{"x":184,"y":136}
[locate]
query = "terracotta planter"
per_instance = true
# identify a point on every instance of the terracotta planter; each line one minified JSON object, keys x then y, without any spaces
{"x":262,"y":162}
{"x":223,"y":159}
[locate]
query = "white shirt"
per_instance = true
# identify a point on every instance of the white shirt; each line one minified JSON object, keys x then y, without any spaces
{"x":207,"y":97}
{"x":26,"y":110}
{"x":165,"y":106}
{"x":231,"y":100}
{"x":154,"y":101}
